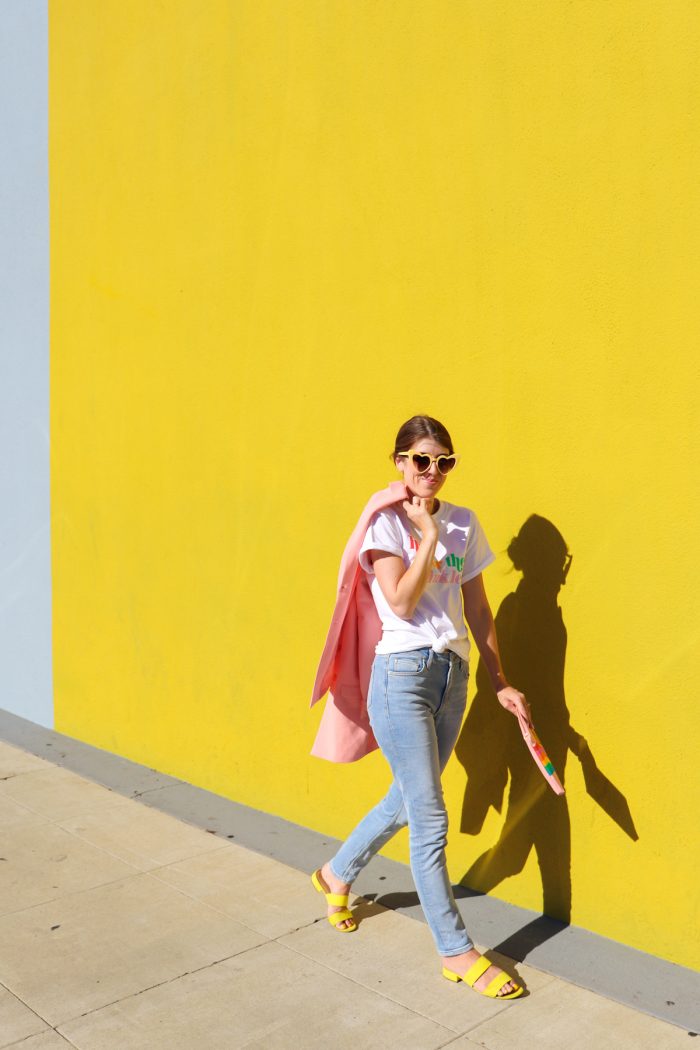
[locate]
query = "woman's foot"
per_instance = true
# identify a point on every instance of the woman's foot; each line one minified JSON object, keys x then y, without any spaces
{"x":460,"y":964}
{"x":334,"y":885}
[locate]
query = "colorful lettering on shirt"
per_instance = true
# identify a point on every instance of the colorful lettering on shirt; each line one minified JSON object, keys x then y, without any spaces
{"x":454,"y":561}
{"x":447,"y":571}
{"x":442,"y":575}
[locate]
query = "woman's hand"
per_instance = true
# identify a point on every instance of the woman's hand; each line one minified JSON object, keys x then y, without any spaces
{"x":514,"y":701}
{"x":401,"y":586}
{"x":418,"y":513}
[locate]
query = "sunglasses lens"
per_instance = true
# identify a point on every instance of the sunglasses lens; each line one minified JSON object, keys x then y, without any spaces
{"x":446,"y":463}
{"x":421,"y":463}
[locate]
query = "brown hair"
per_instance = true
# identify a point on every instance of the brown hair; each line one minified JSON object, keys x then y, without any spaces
{"x":418,"y":427}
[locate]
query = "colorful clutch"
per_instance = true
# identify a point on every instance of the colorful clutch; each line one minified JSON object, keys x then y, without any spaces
{"x":540,"y":755}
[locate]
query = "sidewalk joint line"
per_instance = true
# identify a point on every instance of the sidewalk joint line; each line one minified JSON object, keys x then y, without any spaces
{"x":32,"y":1009}
{"x":384,"y":995}
{"x":151,"y":987}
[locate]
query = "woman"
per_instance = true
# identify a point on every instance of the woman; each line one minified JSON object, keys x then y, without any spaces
{"x":425,"y":558}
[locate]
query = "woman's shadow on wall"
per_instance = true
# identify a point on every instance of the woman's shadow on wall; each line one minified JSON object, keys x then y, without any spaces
{"x":532,"y":640}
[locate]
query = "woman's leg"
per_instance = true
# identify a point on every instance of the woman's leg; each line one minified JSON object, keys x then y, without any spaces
{"x":373,"y":832}
{"x":377,"y":827}
{"x":389,"y":816}
{"x":447,"y":727}
{"x":426,"y":727}
{"x":416,"y":727}
{"x":416,"y":707}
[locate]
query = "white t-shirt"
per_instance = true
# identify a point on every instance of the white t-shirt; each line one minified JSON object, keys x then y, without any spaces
{"x":462,"y":552}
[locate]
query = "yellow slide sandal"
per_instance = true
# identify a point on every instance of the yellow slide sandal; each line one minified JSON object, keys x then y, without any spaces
{"x":492,"y":988}
{"x":337,"y":900}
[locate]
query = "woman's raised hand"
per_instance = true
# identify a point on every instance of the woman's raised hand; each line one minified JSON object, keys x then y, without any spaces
{"x":418,"y":513}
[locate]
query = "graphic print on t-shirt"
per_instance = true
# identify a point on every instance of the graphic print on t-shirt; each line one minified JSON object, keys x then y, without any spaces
{"x":449,"y":570}
{"x":461,"y":553}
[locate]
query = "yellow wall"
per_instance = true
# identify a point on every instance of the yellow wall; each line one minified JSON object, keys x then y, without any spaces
{"x":280,"y":228}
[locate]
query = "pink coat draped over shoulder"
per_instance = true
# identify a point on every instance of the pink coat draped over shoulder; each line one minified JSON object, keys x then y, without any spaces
{"x":344,"y":734}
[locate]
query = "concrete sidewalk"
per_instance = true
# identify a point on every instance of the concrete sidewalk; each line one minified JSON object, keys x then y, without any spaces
{"x":124,"y":928}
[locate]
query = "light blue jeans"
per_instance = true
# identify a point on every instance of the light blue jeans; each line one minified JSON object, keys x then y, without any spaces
{"x":416,"y":703}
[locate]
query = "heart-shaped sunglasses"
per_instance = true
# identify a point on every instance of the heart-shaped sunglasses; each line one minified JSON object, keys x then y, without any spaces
{"x":423,"y":462}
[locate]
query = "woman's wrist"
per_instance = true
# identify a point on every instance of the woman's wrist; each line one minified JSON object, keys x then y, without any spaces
{"x":429,"y":536}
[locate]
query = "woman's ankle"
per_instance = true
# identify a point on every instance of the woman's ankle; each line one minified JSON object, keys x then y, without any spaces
{"x":330,"y":876}
{"x":469,"y":955}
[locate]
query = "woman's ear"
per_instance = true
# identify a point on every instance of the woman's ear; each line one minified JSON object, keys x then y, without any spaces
{"x":399,"y":463}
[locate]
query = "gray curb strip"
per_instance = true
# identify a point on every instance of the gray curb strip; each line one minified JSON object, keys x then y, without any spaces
{"x":643,"y":982}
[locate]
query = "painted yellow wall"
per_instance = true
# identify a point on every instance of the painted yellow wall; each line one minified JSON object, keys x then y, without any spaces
{"x":280,"y":228}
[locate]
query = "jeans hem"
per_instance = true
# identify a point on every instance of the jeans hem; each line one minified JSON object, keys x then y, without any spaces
{"x":460,"y":951}
{"x":349,"y":882}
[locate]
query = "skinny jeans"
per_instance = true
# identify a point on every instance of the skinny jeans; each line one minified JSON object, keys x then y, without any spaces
{"x":415,"y":703}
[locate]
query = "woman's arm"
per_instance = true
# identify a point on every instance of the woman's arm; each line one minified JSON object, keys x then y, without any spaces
{"x":479,"y":617}
{"x":400,"y":586}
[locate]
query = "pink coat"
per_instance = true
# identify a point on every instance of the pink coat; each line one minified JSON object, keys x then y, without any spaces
{"x":344,"y":734}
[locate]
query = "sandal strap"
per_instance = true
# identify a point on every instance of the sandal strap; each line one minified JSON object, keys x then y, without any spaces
{"x":493,"y":987}
{"x":340,"y":916}
{"x":338,"y":900}
{"x":476,"y":971}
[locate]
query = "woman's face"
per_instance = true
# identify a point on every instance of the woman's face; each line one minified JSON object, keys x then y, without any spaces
{"x":429,"y":483}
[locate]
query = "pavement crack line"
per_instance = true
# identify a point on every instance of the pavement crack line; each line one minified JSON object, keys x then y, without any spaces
{"x":150,"y":988}
{"x":452,"y":1042}
{"x":384,"y":995}
{"x":32,"y":1009}
{"x":150,"y":791}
